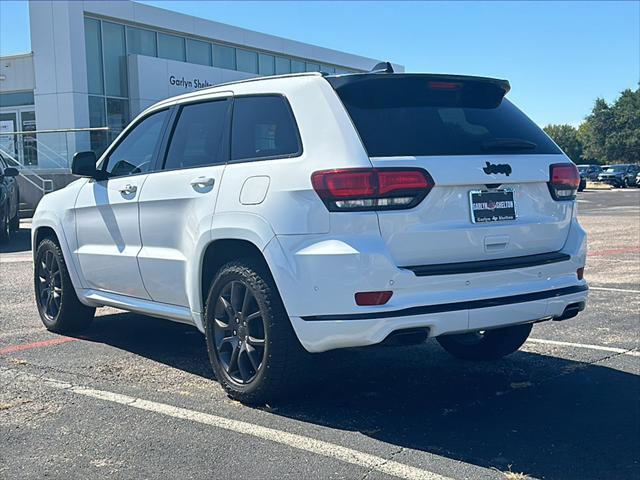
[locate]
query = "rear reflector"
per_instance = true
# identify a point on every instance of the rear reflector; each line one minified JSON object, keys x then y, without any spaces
{"x":564,"y":180}
{"x":361,"y":189}
{"x":373,"y":298}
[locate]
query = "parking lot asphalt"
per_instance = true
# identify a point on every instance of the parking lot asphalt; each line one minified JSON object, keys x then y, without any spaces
{"x":134,"y":397}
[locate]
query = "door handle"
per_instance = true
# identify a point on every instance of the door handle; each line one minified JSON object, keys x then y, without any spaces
{"x":128,"y":189}
{"x":202,"y":182}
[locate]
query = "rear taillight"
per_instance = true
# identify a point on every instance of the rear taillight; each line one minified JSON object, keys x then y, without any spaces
{"x":564,"y":180}
{"x":361,"y":189}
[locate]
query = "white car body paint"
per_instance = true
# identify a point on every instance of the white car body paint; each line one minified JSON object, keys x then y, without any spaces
{"x":144,"y":252}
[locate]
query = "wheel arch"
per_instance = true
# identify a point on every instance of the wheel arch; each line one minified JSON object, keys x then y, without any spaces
{"x":232,"y":235}
{"x":224,"y":250}
{"x":44,"y":228}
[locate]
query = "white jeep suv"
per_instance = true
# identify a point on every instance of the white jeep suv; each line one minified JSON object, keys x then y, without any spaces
{"x":308,"y":212}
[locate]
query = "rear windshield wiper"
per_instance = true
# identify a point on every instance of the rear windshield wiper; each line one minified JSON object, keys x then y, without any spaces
{"x":498,"y":144}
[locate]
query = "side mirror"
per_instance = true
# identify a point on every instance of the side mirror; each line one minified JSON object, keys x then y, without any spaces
{"x":84,"y":164}
{"x":11,"y":172}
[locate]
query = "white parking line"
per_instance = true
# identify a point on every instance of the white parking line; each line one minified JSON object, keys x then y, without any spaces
{"x":606,"y":289}
{"x":623,"y":351}
{"x":15,"y":257}
{"x":319,"y":447}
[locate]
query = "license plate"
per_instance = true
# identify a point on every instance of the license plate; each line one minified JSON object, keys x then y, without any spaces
{"x":492,"y":205}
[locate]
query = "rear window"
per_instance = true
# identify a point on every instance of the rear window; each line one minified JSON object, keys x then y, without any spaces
{"x":263,"y":127}
{"x":412,"y":115}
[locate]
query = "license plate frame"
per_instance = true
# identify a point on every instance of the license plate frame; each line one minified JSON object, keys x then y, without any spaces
{"x":505,"y":214}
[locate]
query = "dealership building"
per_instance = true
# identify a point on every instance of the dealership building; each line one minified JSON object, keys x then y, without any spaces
{"x":95,"y":65}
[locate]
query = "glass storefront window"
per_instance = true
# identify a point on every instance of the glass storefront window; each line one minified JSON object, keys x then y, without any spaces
{"x":97,"y":117}
{"x":93,"y":50}
{"x":312,"y":67}
{"x":283,"y":65}
{"x":29,"y":141}
{"x":171,"y":47}
{"x":15,"y":99}
{"x":328,"y":69}
{"x":247,"y":61}
{"x":117,"y":116}
{"x":224,"y":57}
{"x":297,"y":66}
{"x":115,"y":68}
{"x":266,"y":64}
{"x":198,"y":52}
{"x":141,"y":41}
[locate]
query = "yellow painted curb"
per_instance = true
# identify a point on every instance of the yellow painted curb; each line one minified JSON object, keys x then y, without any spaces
{"x":598,"y":186}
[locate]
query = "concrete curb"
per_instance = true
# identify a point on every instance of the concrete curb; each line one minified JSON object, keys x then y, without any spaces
{"x":598,"y":186}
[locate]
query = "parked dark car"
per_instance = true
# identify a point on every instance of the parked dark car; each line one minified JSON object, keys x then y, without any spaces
{"x":590,"y":172}
{"x":9,"y":200}
{"x":621,"y":176}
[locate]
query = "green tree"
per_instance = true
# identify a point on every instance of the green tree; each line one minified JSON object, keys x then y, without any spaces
{"x":611,"y":133}
{"x":567,"y":139}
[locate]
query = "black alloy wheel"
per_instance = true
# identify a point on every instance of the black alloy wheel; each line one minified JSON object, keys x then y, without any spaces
{"x":49,"y":285}
{"x":239,"y":332}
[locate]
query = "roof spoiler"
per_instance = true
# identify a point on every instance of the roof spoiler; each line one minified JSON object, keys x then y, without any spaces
{"x":382,"y":67}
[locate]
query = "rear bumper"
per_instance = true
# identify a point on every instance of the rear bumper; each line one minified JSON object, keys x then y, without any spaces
{"x":317,"y":277}
{"x":321,"y":334}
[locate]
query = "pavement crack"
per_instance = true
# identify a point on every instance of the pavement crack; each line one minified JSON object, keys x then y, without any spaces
{"x":390,"y":458}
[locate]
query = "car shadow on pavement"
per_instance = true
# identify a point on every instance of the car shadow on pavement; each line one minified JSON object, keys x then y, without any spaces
{"x":174,"y":344}
{"x":20,"y":241}
{"x":545,"y":416}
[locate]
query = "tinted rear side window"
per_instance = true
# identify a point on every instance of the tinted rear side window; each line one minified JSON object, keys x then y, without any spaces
{"x":200,"y":136}
{"x":411,"y":115}
{"x":263,"y":127}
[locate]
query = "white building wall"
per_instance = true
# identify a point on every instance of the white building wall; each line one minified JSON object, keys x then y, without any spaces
{"x":153,"y":79}
{"x":60,"y":93}
{"x":16,"y":73}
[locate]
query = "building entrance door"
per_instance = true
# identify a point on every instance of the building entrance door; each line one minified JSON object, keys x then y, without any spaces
{"x":22,"y":146}
{"x":8,"y":142}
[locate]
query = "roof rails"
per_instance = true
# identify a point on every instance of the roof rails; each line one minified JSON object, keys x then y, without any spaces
{"x":382,"y":67}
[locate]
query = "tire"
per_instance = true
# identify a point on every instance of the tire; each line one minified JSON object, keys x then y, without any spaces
{"x":5,"y":227}
{"x":487,"y":345}
{"x":58,"y":306}
{"x":269,"y":356}
{"x":14,"y":223}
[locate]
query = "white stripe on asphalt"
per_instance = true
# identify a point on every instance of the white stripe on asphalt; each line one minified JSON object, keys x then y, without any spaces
{"x":606,"y":289}
{"x":623,"y":351}
{"x":15,"y":258}
{"x":319,"y":447}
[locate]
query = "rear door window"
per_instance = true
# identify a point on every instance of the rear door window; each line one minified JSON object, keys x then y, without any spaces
{"x":263,"y":127}
{"x":200,"y":136}
{"x":415,"y":115}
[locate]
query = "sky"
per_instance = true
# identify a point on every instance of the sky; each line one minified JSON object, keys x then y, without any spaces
{"x":558,"y":56}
